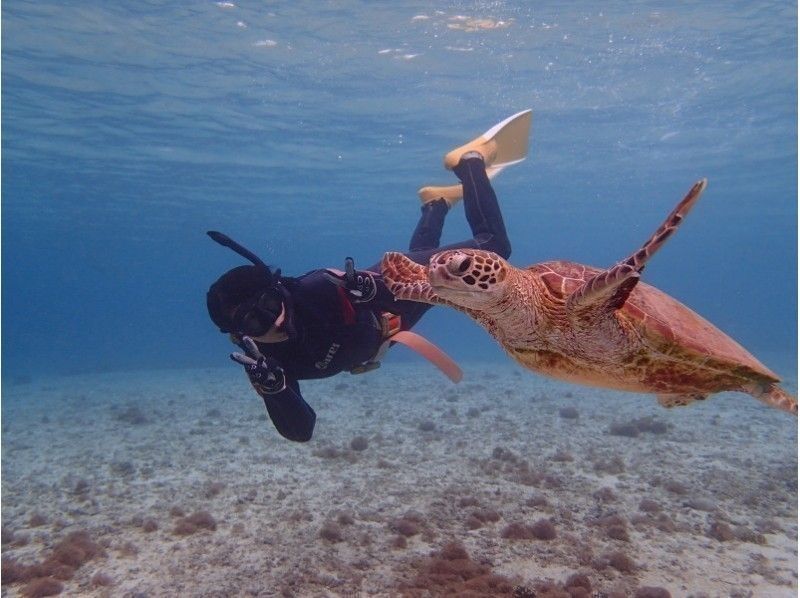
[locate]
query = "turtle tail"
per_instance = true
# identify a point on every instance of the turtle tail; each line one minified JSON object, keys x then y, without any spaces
{"x":773,"y":395}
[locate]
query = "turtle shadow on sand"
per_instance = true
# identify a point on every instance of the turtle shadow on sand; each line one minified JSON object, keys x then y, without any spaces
{"x":591,"y":326}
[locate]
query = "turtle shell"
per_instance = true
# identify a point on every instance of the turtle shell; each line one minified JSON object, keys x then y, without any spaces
{"x":665,"y":322}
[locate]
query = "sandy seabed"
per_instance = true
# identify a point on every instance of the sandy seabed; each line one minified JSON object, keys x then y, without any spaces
{"x":173,"y":483}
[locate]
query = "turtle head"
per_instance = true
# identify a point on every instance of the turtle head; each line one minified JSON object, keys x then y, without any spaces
{"x":470,"y":278}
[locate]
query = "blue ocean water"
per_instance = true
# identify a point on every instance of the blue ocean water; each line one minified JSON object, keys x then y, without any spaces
{"x":304,"y":129}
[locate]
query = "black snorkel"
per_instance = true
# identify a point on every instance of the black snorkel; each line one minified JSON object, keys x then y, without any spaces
{"x":273,"y":279}
{"x":226,"y":241}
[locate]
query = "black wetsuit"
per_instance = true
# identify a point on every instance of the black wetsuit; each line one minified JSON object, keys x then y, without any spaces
{"x":335,"y":334}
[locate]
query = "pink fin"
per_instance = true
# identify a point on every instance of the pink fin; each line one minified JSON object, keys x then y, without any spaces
{"x":430,"y":352}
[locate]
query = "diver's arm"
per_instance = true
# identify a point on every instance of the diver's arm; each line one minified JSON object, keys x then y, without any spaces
{"x":292,"y":416}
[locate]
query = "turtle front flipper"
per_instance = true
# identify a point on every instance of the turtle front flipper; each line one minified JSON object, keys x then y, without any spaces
{"x":608,"y":290}
{"x":668,"y":227}
{"x":407,"y":279}
{"x":602,"y":293}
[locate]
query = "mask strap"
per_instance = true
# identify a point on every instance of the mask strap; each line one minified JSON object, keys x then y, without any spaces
{"x":288,"y":305}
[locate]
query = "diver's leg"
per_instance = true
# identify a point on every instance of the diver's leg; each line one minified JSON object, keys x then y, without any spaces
{"x":430,"y":225}
{"x":481,"y":207}
{"x":482,"y":211}
{"x":424,"y":244}
{"x":485,"y":220}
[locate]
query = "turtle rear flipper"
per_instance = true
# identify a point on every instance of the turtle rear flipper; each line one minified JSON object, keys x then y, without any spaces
{"x":772,"y":394}
{"x":609,"y":289}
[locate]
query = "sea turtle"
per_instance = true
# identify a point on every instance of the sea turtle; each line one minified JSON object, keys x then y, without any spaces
{"x":592,"y":326}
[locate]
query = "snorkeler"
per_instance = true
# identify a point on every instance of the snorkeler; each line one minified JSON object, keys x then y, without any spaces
{"x":327,"y":321}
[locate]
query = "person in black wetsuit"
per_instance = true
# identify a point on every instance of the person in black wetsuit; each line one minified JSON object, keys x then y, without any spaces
{"x":322,"y":323}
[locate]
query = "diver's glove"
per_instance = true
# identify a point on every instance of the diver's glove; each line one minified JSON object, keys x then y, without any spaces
{"x":359,"y":284}
{"x":265,"y":373}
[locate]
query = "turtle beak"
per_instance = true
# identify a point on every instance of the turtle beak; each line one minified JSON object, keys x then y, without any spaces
{"x":438,"y":275}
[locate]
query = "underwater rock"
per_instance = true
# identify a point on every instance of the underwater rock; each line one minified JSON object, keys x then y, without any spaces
{"x":628,"y":430}
{"x":331,"y":532}
{"x":132,"y":415}
{"x":212,"y":489}
{"x":427,"y":426}
{"x":648,"y":505}
{"x":544,"y":530}
{"x":719,"y":530}
{"x":568,"y":413}
{"x":101,"y":579}
{"x":195,"y":522}
{"x":451,"y":572}
{"x":42,"y":586}
{"x":562,"y":456}
{"x":359,"y":443}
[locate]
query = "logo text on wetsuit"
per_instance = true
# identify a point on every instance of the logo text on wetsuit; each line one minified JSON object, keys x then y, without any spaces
{"x":321,"y":365}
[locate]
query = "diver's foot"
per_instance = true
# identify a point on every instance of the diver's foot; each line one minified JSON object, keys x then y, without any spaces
{"x":485,"y":148}
{"x":451,"y":194}
{"x":504,"y":144}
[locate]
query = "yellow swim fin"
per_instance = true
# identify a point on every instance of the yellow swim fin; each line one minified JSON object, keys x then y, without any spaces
{"x":504,"y":144}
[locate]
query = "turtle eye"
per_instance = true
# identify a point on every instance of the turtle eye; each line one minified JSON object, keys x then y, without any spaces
{"x":464,"y":266}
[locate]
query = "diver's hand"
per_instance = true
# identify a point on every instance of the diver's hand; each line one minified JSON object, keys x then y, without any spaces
{"x":362,"y":287}
{"x":359,"y":284}
{"x":265,"y":373}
